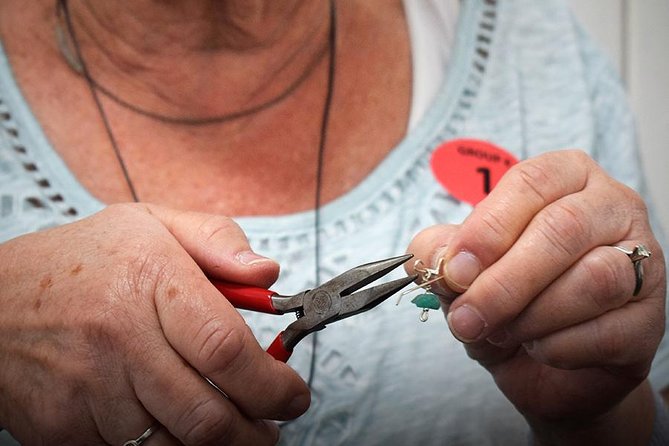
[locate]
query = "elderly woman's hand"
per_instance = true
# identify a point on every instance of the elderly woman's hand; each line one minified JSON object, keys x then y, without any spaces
{"x":109,"y":325}
{"x":546,"y":303}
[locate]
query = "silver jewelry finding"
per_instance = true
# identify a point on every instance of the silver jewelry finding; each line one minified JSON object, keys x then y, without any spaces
{"x":427,"y":300}
{"x":636,"y":255}
{"x":142,"y":438}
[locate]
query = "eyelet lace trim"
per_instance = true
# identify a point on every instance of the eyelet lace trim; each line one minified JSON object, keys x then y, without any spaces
{"x":48,"y":196}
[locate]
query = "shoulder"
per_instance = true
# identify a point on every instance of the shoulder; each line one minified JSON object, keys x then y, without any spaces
{"x":544,"y":39}
{"x":542,"y":36}
{"x":541,"y":70}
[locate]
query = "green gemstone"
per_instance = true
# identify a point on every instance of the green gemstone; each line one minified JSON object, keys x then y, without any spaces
{"x":427,"y":300}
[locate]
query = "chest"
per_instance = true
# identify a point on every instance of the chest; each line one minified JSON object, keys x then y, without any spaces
{"x":265,"y":163}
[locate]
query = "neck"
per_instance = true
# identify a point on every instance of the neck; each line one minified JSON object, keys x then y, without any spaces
{"x":209,"y":57}
{"x":159,"y":27}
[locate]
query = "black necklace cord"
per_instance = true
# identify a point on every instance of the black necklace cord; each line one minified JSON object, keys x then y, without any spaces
{"x":62,"y":6}
{"x":77,"y":63}
{"x":327,"y":107}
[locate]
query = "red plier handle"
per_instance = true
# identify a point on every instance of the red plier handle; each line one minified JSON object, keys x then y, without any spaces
{"x":255,"y":299}
{"x":248,"y":297}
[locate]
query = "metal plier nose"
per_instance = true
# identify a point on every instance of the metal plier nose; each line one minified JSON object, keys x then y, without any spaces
{"x":336,"y":299}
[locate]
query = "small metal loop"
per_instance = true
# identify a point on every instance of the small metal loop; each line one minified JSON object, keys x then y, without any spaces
{"x":428,"y":275}
{"x":424,"y":315}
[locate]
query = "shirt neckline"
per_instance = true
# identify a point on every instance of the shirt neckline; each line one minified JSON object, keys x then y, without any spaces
{"x":458,"y":89}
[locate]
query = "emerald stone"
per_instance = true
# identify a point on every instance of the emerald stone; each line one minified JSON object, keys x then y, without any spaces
{"x":427,"y":300}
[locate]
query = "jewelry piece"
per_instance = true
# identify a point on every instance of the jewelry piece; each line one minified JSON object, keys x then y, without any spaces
{"x":639,"y":253}
{"x":427,"y":301}
{"x":142,"y":438}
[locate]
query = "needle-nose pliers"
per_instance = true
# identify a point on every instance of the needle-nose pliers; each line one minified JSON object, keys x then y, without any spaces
{"x":336,"y":299}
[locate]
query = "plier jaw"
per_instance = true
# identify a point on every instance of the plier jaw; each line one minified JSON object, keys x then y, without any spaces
{"x":339,"y":298}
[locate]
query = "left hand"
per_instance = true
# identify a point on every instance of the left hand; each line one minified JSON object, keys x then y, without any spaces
{"x":544,"y":302}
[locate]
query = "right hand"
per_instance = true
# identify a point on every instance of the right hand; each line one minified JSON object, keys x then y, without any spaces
{"x":108,"y":325}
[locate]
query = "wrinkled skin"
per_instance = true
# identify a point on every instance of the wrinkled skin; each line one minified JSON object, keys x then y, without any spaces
{"x":110,"y":324}
{"x":558,"y":326}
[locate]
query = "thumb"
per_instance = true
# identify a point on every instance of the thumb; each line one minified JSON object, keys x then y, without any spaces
{"x":218,"y":245}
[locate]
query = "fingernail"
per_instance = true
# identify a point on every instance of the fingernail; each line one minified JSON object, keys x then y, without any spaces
{"x":274,"y":428}
{"x":251,"y":258}
{"x":462,"y":269}
{"x":531,"y":347}
{"x":499,"y":338}
{"x":299,"y":405}
{"x":440,"y":287}
{"x":466,"y":323}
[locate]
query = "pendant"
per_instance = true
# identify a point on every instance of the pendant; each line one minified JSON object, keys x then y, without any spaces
{"x":426,"y":301}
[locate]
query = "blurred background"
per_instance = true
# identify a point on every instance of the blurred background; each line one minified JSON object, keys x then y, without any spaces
{"x":635,"y":35}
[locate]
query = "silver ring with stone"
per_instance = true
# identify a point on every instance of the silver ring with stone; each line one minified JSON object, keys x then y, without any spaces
{"x":636,"y":255}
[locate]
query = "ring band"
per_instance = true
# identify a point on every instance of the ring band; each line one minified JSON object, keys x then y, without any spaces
{"x":142,"y":438}
{"x":636,"y":255}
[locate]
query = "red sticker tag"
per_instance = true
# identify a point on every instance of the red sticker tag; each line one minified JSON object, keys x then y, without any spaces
{"x":470,"y":168}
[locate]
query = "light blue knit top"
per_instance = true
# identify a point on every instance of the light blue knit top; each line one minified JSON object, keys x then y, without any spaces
{"x":521,"y":75}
